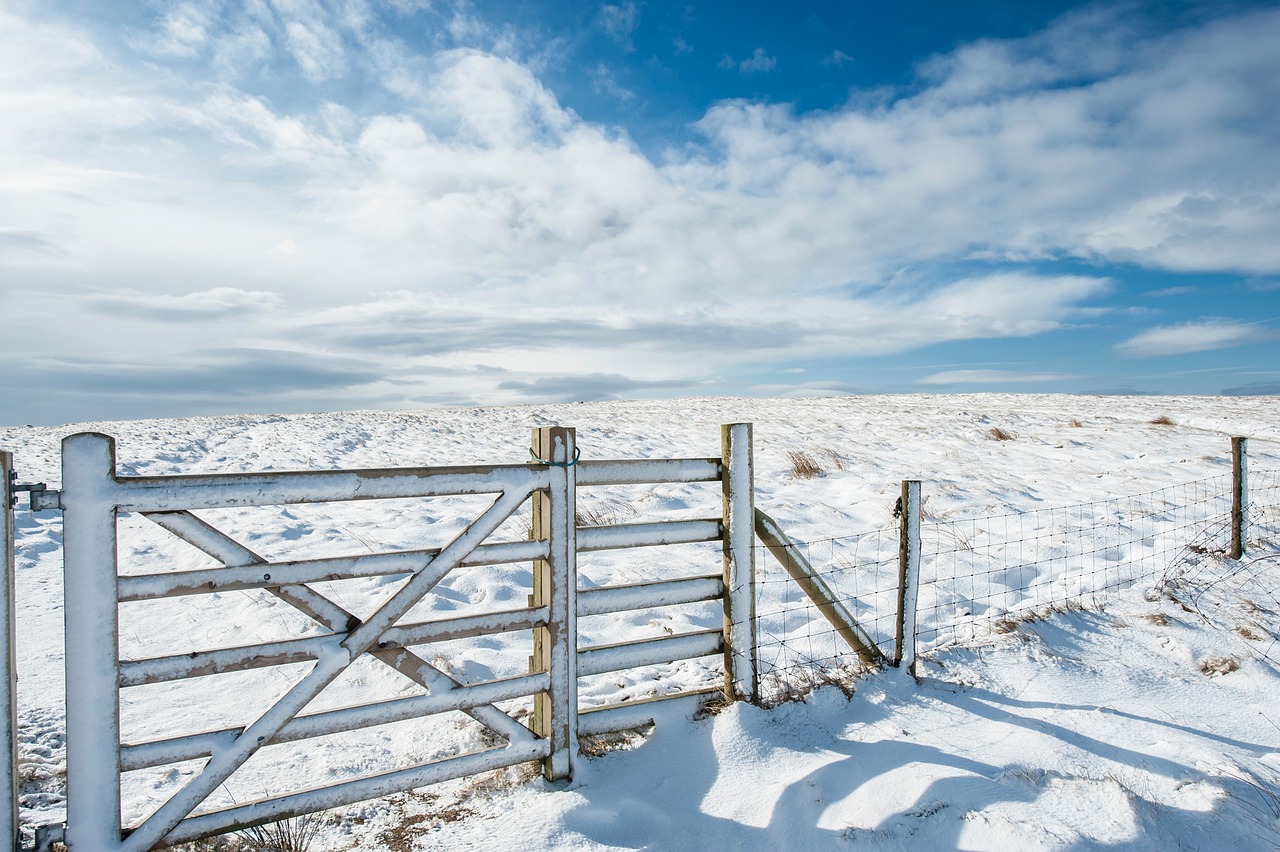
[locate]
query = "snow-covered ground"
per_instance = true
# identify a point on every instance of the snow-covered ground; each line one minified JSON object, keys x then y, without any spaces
{"x":1146,"y":720}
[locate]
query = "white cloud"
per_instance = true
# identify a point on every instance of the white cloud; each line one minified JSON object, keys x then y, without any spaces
{"x":992,"y":377}
{"x":603,"y":82}
{"x":317,"y":49}
{"x":183,"y":31}
{"x":620,"y":21}
{"x":1188,"y":337}
{"x":204,"y":303}
{"x":759,"y":62}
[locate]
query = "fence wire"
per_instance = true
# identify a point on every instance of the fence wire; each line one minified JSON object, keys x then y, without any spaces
{"x":1240,"y":595}
{"x":979,"y":576}
{"x":798,"y":648}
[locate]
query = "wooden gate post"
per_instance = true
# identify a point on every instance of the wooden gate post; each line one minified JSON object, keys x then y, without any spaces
{"x":555,"y":586}
{"x":9,"y":680}
{"x":904,"y":649}
{"x":1239,"y":496}
{"x":741,"y":678}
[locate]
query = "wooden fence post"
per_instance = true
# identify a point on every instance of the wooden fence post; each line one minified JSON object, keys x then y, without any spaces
{"x":9,"y":680}
{"x":555,"y":585}
{"x":1239,"y":496}
{"x":741,"y":678}
{"x":904,"y":651}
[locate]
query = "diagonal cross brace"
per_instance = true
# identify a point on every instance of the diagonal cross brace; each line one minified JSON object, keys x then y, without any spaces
{"x":232,"y":553}
{"x":331,"y":664}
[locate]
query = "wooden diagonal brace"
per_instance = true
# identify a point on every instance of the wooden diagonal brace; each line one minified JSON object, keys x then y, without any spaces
{"x":817,"y":589}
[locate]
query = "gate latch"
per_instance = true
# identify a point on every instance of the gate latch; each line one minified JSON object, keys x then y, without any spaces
{"x":41,"y":497}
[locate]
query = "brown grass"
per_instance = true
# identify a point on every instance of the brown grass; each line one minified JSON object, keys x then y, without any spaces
{"x":1215,"y":666}
{"x":995,"y":433}
{"x":1076,"y":424}
{"x":837,"y":460}
{"x":803,"y":465}
{"x":1163,"y":420}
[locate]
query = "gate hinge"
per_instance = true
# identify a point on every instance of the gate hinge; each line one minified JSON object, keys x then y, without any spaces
{"x":47,"y":835}
{"x":41,"y":497}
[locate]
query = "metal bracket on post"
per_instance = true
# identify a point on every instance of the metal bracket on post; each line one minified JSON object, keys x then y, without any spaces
{"x":37,"y":492}
{"x":47,"y":835}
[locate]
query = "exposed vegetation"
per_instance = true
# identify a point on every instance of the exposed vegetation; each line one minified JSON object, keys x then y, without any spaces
{"x":803,"y":465}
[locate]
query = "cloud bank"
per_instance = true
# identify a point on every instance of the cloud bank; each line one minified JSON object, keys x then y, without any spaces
{"x":465,"y":237}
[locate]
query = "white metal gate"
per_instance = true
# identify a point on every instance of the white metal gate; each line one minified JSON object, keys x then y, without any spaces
{"x":94,"y":498}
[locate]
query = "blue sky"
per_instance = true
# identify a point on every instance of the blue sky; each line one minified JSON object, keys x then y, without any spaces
{"x":289,"y":205}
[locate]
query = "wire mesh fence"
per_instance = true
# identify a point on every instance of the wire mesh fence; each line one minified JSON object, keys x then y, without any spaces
{"x":1239,"y":595}
{"x":798,"y":648}
{"x":979,"y":576}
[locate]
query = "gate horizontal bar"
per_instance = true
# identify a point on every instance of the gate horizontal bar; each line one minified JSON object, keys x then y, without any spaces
{"x":227,"y":490}
{"x":643,"y":595}
{"x":268,"y":574}
{"x":620,"y":536}
{"x":465,"y":627}
{"x":633,"y":714}
{"x":222,"y":660}
{"x":287,"y":651}
{"x":196,"y":746}
{"x":642,"y":471}
{"x":350,"y":792}
{"x":648,"y":652}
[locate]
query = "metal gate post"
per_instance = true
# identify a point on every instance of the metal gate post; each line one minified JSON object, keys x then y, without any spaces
{"x":555,"y":586}
{"x":738,"y":484}
{"x":9,"y":835}
{"x":92,"y":657}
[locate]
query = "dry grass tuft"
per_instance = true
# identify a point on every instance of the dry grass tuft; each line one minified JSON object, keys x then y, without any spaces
{"x":1163,"y":420}
{"x":1076,"y":424}
{"x":837,"y":460}
{"x":1216,"y":666}
{"x":995,"y":433}
{"x":288,"y":835}
{"x":1157,"y":618}
{"x":803,"y":465}
{"x":603,"y":513}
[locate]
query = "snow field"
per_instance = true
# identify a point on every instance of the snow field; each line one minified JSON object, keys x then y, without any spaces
{"x":1121,"y":725}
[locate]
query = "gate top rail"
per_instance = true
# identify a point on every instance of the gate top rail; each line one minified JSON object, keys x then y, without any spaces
{"x":642,"y":471}
{"x":169,"y":492}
